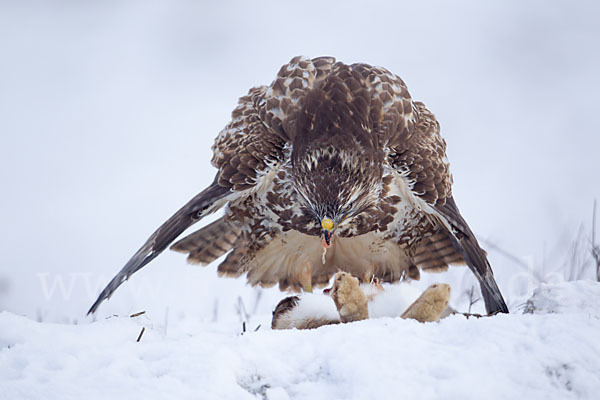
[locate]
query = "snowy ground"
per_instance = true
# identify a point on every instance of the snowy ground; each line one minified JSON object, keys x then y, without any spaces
{"x":551,"y":352}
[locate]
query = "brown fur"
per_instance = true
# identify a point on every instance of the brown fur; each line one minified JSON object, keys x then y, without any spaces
{"x":430,"y":305}
{"x":350,"y":300}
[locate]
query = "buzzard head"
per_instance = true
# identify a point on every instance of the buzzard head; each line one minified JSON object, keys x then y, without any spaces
{"x":335,"y":186}
{"x":337,"y":168}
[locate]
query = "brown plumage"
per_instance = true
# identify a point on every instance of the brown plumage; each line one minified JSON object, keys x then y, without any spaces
{"x":328,"y":155}
{"x":209,"y":243}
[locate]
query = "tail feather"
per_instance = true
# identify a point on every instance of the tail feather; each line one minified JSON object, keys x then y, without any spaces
{"x":436,"y":253}
{"x":233,"y":266}
{"x":209,"y":243}
{"x":207,"y":201}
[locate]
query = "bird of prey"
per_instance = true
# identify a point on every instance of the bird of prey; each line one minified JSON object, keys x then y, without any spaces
{"x":331,"y":167}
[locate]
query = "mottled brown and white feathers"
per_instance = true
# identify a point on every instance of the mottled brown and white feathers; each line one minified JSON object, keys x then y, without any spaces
{"x":209,"y":243}
{"x":326,"y":141}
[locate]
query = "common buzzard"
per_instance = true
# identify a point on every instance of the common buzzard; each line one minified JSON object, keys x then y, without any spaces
{"x":331,"y":167}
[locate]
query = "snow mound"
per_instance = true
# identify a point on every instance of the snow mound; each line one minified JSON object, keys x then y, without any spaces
{"x":552,"y":354}
{"x":578,"y":297}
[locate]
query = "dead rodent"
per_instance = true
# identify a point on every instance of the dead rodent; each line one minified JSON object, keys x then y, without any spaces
{"x":312,"y":310}
{"x":430,"y":305}
{"x":350,"y":301}
{"x":309,"y":311}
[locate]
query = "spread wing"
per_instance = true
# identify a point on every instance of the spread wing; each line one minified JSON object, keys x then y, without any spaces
{"x":465,"y":244}
{"x":206,"y":201}
{"x":245,"y":151}
{"x":411,"y":134}
{"x":421,"y":158}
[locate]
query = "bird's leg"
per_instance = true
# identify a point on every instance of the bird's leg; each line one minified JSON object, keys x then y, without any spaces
{"x":376,"y":283}
{"x":371,"y":285}
{"x":368,"y":275}
{"x":305,"y":276}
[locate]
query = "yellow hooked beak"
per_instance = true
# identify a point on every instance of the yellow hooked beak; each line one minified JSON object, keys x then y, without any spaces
{"x":327,"y":226}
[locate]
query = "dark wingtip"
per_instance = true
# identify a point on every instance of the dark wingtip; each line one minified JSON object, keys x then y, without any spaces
{"x":475,"y":258}
{"x":494,"y":302}
{"x":163,"y":236}
{"x":108,"y":291}
{"x":138,"y":261}
{"x":94,"y":306}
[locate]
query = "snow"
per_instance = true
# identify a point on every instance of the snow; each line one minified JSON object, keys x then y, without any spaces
{"x":552,"y":351}
{"x":561,"y":299}
{"x":392,"y":301}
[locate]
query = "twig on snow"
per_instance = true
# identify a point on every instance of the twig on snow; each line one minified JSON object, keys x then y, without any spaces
{"x":137,"y":314}
{"x":141,"y":333}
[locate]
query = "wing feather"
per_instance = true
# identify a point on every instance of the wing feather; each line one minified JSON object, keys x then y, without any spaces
{"x":209,"y":243}
{"x":202,"y":204}
{"x":421,"y":158}
{"x":244,"y":152}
